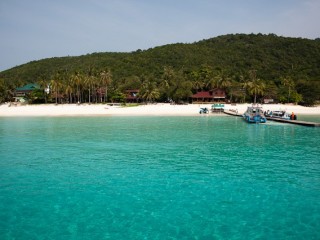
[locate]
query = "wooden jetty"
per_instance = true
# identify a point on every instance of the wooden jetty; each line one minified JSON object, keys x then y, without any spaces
{"x":302,"y":123}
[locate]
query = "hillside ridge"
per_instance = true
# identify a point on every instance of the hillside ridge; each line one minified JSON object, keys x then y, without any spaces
{"x":270,"y":55}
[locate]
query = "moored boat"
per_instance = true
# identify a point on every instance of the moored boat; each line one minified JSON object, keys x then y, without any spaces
{"x":204,"y":111}
{"x":254,"y":114}
{"x":281,"y":115}
{"x":217,"y":107}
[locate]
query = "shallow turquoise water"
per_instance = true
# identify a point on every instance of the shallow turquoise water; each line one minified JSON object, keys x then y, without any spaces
{"x":309,"y":118}
{"x":206,"y":177}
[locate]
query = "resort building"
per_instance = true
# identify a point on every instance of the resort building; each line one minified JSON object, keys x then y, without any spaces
{"x":21,"y":93}
{"x":132,"y":96}
{"x":268,"y":100}
{"x":214,"y":95}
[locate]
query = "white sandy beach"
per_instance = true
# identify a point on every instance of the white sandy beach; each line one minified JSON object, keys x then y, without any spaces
{"x":160,"y":109}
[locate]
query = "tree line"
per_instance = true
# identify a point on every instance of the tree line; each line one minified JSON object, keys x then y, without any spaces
{"x":171,"y":86}
{"x":249,"y":67}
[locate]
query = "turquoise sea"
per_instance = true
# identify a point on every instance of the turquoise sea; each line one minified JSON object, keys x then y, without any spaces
{"x":309,"y":118}
{"x":201,"y":177}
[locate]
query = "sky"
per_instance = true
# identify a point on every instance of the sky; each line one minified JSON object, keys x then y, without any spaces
{"x":37,"y":29}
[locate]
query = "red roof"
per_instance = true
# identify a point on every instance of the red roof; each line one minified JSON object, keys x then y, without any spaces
{"x":214,"y":93}
{"x":132,"y":91}
{"x":132,"y":94}
{"x":203,"y":94}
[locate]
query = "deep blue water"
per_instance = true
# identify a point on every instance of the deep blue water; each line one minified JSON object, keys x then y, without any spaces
{"x":203,"y":177}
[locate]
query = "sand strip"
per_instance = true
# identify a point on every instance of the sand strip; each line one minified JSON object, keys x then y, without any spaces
{"x":160,"y":109}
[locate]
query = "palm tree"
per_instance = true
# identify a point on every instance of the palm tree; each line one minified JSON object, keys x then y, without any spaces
{"x":56,"y":85}
{"x":77,"y":80}
{"x":149,"y":92}
{"x":4,"y":90}
{"x":164,"y":84}
{"x":69,"y":90}
{"x":288,"y":82}
{"x":204,"y":74}
{"x":106,"y":79}
{"x":43,"y":83}
{"x":181,"y":89}
{"x":212,"y":83}
{"x":222,"y":80}
{"x":167,"y":80}
{"x":255,"y":85}
{"x":245,"y":83}
{"x":198,"y":84}
{"x":168,"y":74}
{"x":89,"y":82}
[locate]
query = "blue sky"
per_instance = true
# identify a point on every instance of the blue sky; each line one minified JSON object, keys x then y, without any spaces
{"x":37,"y":29}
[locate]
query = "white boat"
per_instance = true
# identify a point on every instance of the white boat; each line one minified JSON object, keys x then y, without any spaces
{"x":281,"y":114}
{"x":254,"y":114}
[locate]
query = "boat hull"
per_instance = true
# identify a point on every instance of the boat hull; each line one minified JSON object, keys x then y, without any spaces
{"x":254,"y":114}
{"x":255,"y":119}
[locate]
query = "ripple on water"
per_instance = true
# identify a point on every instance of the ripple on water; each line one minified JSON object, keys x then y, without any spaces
{"x":158,"y":178}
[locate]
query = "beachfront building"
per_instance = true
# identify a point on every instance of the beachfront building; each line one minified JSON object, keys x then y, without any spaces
{"x":268,"y":100}
{"x":214,"y":95}
{"x":132,"y":96}
{"x":21,"y":93}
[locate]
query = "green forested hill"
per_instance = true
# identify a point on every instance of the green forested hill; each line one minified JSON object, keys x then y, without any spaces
{"x":271,"y":57}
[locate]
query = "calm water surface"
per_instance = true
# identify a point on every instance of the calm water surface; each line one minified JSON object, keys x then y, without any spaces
{"x":203,"y":177}
{"x":309,"y":118}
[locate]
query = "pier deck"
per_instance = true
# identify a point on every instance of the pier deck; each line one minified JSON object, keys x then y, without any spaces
{"x":302,"y":123}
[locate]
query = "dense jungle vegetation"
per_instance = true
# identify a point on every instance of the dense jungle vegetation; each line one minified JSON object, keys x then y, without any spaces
{"x":248,"y":67}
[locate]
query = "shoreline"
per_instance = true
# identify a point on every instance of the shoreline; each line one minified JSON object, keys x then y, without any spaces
{"x":159,"y":109}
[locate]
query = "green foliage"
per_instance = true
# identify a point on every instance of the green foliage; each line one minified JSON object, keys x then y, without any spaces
{"x":296,"y":97}
{"x":149,"y":91}
{"x":310,"y":92}
{"x":36,"y":96}
{"x":176,"y":71}
{"x":117,"y":96}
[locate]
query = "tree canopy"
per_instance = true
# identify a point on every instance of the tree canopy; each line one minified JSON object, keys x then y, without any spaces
{"x":285,"y":68}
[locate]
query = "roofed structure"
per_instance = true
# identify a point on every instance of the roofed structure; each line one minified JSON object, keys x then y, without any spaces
{"x":214,"y":95}
{"x":132,"y":95}
{"x":22,"y":91}
{"x":20,"y":94}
